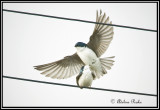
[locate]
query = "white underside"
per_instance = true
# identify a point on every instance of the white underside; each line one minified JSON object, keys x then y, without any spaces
{"x":86,"y":79}
{"x":89,"y":58}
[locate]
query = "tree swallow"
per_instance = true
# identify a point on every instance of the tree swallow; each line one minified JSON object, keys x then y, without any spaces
{"x":87,"y":58}
{"x":85,"y":77}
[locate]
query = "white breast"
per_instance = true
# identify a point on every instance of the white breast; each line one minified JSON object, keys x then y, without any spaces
{"x":86,"y":55}
{"x":86,"y":79}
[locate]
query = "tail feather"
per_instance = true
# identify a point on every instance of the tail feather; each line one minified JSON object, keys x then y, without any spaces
{"x":107,"y":63}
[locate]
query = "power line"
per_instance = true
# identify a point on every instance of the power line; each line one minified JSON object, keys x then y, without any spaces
{"x":69,"y":85}
{"x":71,"y":19}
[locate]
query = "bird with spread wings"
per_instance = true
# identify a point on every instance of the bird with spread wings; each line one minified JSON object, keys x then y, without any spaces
{"x":87,"y":54}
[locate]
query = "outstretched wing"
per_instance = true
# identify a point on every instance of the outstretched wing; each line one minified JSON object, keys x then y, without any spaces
{"x":102,"y":35}
{"x":63,"y":68}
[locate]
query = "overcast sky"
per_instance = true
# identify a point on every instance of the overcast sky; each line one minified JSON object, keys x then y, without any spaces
{"x":33,"y":40}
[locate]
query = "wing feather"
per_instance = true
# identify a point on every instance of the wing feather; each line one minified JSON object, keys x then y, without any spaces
{"x":49,"y":70}
{"x":64,"y":68}
{"x":102,"y":35}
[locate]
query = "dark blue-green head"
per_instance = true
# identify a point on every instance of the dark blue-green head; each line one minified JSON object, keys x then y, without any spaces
{"x":82,"y":68}
{"x":80,"y":44}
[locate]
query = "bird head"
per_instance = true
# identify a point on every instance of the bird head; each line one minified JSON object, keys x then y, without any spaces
{"x":85,"y":68}
{"x":80,"y":44}
{"x":82,"y":68}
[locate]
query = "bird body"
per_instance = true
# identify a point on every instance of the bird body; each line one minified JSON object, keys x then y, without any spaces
{"x":85,"y":80}
{"x":87,"y":57}
{"x":85,"y":77}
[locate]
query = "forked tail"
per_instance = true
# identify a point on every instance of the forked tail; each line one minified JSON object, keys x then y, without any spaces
{"x":107,"y":63}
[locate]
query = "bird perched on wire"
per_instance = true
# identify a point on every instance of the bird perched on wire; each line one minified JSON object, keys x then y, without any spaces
{"x":85,"y":77}
{"x":86,"y":61}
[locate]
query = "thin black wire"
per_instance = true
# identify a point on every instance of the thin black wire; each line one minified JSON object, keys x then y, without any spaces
{"x":78,"y":20}
{"x":68,"y":85}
